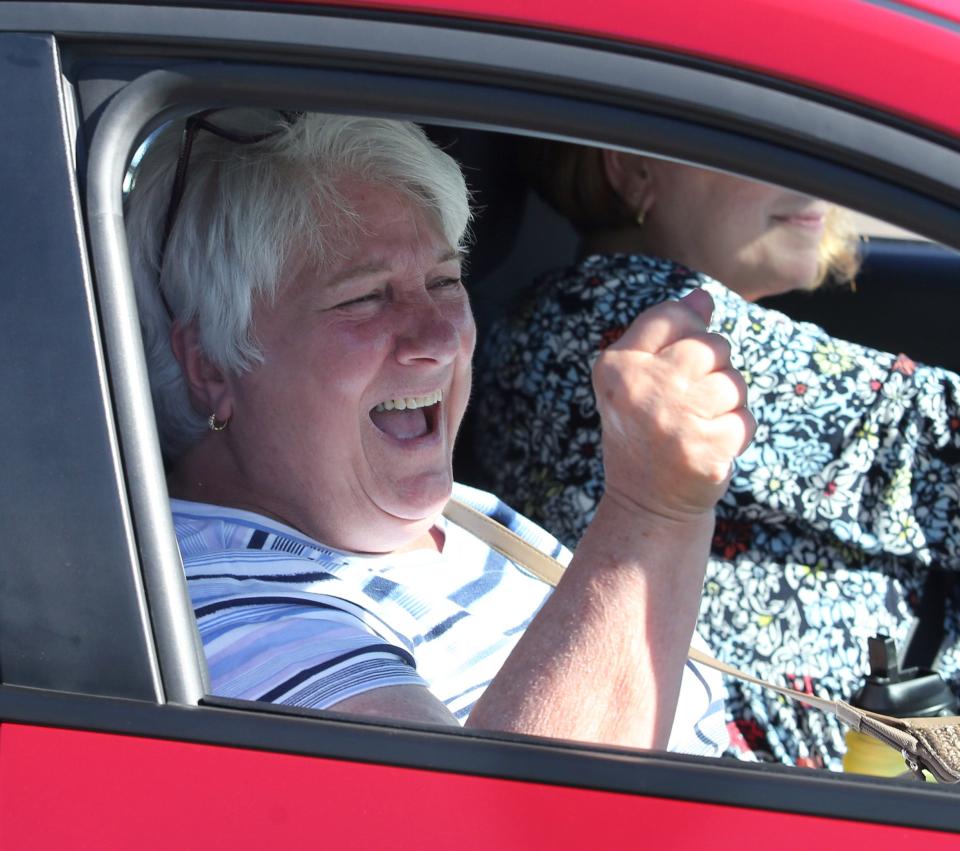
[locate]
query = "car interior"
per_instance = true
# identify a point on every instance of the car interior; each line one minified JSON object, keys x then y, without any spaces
{"x":515,"y":237}
{"x":895,"y":304}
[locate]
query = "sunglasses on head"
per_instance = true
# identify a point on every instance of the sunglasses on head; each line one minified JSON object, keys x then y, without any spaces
{"x":193,"y":125}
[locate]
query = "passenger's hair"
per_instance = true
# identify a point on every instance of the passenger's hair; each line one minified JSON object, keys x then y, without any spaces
{"x":840,"y":255}
{"x":249,"y":210}
{"x":572,"y":179}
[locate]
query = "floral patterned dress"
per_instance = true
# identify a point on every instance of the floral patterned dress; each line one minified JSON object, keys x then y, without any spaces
{"x":847,"y":495}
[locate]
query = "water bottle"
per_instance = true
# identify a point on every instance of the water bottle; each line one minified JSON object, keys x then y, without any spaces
{"x":914,"y":692}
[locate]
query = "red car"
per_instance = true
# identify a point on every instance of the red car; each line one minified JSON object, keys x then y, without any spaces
{"x":108,"y":737}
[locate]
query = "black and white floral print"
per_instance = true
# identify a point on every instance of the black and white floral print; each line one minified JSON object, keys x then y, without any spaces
{"x":849,"y":492}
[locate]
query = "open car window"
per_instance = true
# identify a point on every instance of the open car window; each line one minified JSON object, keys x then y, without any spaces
{"x":510,"y":250}
{"x":518,"y":238}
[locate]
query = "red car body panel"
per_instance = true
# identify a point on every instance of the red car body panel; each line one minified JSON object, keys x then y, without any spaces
{"x":948,"y":10}
{"x":842,"y":47}
{"x":82,"y":790}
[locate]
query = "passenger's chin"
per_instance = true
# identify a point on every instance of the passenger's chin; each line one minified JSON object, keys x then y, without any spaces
{"x":791,"y":274}
{"x":804,"y":275}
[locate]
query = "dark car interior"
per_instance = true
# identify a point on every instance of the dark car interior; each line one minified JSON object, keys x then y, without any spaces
{"x":904,"y":300}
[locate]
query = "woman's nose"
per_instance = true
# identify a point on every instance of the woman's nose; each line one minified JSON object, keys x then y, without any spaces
{"x":426,"y":334}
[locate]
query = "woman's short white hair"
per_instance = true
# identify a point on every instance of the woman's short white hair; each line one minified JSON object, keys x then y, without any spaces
{"x":248,"y":210}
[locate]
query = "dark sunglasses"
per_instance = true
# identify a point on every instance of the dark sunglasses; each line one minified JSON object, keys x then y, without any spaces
{"x":193,"y":125}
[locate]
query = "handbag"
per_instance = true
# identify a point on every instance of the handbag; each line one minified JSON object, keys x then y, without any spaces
{"x":926,"y":744}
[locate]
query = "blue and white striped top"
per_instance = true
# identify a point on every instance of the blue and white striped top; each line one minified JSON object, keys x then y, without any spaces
{"x":286,"y":619}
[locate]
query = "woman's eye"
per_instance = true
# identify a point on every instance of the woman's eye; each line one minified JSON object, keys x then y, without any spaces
{"x":364,"y":299}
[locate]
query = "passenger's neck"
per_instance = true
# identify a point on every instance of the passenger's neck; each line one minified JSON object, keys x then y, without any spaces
{"x":623,"y":240}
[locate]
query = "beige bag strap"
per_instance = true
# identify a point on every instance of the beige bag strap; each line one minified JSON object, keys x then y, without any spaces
{"x":505,"y":542}
{"x":930,"y":743}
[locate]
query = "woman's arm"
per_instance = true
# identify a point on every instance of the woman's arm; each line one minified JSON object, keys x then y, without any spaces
{"x":863,"y":445}
{"x":603,"y":660}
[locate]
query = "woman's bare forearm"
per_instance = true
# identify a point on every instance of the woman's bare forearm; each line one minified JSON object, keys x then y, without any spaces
{"x":603,"y":660}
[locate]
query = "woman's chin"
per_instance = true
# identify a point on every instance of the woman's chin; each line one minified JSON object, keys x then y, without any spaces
{"x":420,"y":499}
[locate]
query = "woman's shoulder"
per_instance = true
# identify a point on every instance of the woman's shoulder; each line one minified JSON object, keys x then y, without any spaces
{"x":588,"y":299}
{"x":597,"y":275}
{"x":208,"y":532}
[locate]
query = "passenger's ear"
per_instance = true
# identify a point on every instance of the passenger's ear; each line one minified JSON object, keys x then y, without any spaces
{"x":207,"y":384}
{"x":629,"y":177}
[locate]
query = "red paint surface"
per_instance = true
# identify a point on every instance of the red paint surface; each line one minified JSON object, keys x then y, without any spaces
{"x":63,"y":789}
{"x":947,"y":10}
{"x":897,"y":62}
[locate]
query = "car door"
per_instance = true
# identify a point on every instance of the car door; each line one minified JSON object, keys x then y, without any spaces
{"x":109,"y":737}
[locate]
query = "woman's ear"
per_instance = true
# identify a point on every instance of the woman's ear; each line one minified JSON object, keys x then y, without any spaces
{"x":210,"y":391}
{"x":629,"y":177}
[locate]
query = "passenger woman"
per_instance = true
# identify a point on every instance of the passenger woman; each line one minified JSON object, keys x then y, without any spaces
{"x":847,"y":497}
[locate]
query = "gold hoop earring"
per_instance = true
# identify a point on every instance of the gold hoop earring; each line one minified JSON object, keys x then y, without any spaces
{"x":641,"y":215}
{"x":214,"y":425}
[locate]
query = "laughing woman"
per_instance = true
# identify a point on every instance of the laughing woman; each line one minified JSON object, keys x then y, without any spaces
{"x":310,"y":345}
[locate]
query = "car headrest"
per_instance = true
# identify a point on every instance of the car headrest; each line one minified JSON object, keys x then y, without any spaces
{"x":516,"y":236}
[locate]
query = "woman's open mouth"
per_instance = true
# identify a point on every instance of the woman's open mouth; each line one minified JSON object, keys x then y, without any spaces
{"x":408,"y":417}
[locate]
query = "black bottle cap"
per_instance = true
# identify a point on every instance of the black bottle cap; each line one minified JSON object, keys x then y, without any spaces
{"x":902,"y":694}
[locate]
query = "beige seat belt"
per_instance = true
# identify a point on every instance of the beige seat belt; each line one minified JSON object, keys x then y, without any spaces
{"x":925,"y":743}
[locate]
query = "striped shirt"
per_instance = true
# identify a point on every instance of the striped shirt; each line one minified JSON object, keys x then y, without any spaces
{"x":288,"y":620}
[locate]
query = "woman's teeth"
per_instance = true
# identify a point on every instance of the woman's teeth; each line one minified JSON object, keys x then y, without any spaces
{"x":411,"y":403}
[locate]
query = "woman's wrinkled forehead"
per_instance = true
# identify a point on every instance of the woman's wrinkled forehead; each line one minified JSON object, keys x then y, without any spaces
{"x":344,"y":238}
{"x":341,"y":218}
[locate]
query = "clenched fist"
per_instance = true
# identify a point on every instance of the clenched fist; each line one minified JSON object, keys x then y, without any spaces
{"x":673,"y":411}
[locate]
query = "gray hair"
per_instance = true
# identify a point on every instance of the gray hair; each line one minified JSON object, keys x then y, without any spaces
{"x":246,"y":211}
